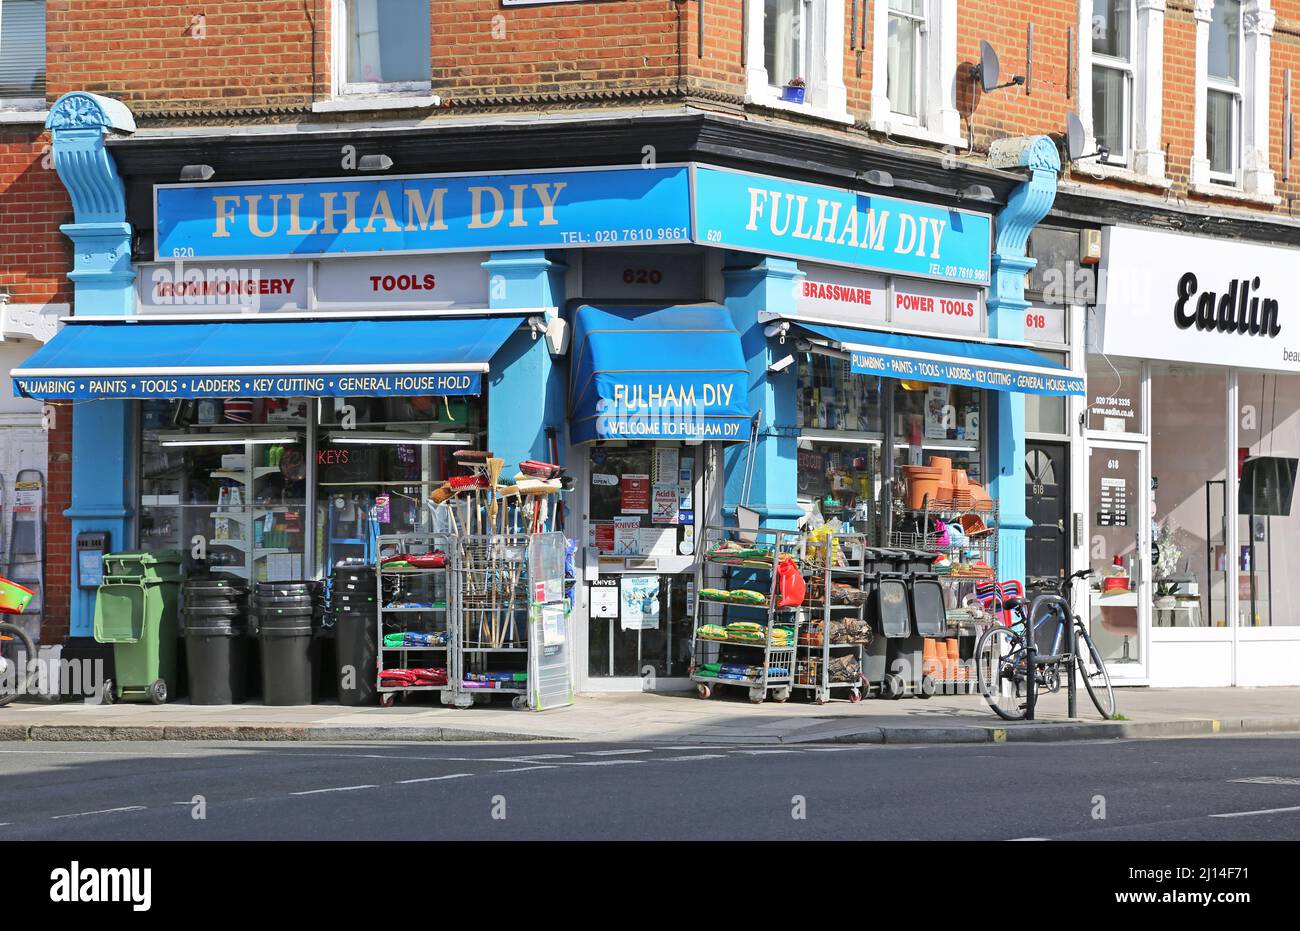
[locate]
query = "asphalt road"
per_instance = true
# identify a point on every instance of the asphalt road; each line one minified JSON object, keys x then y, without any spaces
{"x":1197,"y":789}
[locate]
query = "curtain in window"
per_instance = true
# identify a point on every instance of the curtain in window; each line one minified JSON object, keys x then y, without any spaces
{"x":782,"y":37}
{"x":1220,"y":131}
{"x":363,"y":33}
{"x":1110,"y":89}
{"x":22,"y":48}
{"x":902,"y":73}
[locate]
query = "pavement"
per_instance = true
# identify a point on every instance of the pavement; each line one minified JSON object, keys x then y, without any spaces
{"x":1206,"y":789}
{"x":677,"y":717}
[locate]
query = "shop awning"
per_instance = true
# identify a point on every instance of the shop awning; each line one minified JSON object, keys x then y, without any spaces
{"x":657,"y":373}
{"x":993,"y":366}
{"x":301,"y":358}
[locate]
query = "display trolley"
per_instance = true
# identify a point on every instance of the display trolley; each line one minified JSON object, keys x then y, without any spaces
{"x":416,"y":618}
{"x":829,"y":654}
{"x":490,"y":581}
{"x":959,"y":538}
{"x":742,"y":637}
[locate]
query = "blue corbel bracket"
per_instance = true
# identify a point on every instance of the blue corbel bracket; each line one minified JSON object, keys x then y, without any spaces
{"x":1025,"y":209}
{"x":102,"y":274}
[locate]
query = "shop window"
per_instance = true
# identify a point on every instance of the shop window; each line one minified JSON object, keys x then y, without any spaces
{"x":1120,"y":51}
{"x":1045,"y":414}
{"x":914,"y":78}
{"x":1232,"y":113}
{"x":938,"y":420}
{"x":1190,"y":564}
{"x":225,"y":482}
{"x":22,"y":54}
{"x":796,"y":56}
{"x":642,"y":504}
{"x":840,"y":419}
{"x":1268,"y":520}
{"x":384,"y":46}
{"x":1114,"y":394}
{"x":377,"y":463}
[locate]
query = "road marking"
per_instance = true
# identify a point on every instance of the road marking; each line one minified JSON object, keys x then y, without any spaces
{"x":693,"y":747}
{"x":334,"y":789}
{"x":1029,"y":838}
{"x":602,"y":762}
{"x":761,"y":752}
{"x":826,"y":749}
{"x":1270,"y":780}
{"x":547,"y":756}
{"x":1262,"y":811}
{"x":679,"y":759}
{"x":102,"y":811}
{"x":404,"y":782}
{"x":612,"y":752}
{"x":525,"y":769}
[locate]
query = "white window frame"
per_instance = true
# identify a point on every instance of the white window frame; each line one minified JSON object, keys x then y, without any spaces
{"x":825,"y":95}
{"x":1125,"y":68}
{"x":938,"y":121}
{"x":351,"y":95}
{"x":920,"y":65}
{"x":24,"y":109}
{"x":1251,"y":178}
{"x":1143,"y":159}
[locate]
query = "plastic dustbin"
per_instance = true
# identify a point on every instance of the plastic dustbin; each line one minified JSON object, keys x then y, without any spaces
{"x":288,"y":660}
{"x":217,"y":656}
{"x":357,"y":656}
{"x":135,"y":611}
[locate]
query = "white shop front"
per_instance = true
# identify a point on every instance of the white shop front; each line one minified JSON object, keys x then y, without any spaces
{"x":1193,"y":428}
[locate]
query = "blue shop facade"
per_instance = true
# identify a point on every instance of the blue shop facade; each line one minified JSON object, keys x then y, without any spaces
{"x":272,"y":363}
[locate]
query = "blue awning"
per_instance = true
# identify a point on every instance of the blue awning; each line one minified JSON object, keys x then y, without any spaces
{"x":993,"y":366}
{"x":244,"y":359}
{"x":657,"y":373}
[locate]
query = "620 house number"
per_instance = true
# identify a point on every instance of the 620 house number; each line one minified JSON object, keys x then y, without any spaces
{"x":642,"y":276}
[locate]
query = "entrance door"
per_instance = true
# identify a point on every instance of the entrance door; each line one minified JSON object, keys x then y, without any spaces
{"x":1047,"y":504}
{"x":1119,"y":503}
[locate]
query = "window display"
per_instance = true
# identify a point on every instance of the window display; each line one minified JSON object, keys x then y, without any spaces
{"x":938,"y":420}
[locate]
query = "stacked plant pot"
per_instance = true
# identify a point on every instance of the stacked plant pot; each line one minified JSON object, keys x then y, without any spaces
{"x":354,"y":603}
{"x":214,"y":615}
{"x":287,"y":614}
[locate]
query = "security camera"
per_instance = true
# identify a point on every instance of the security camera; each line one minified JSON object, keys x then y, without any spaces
{"x":780,"y":365}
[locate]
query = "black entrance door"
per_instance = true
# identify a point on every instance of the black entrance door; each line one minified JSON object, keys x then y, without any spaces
{"x":1047,"y":503}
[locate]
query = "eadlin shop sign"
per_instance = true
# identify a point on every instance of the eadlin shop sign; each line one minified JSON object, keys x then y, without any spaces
{"x":1195,"y":299}
{"x":575,"y":208}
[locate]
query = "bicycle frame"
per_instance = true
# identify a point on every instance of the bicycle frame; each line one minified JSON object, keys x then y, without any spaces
{"x":1058,"y":607}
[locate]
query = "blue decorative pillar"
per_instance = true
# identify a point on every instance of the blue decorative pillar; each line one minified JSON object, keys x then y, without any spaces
{"x":1025,"y":209}
{"x":755,"y":284}
{"x":525,"y":383}
{"x":103,"y":280}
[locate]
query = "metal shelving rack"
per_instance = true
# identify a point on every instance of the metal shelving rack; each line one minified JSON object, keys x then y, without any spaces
{"x":776,"y":666}
{"x":441,"y":619}
{"x":490,"y":577}
{"x":824,"y":614}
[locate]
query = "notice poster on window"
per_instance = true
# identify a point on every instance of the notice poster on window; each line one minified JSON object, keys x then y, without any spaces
{"x":639,"y":602}
{"x":667,"y":502}
{"x":627,"y":536}
{"x":665,"y":464}
{"x":602,"y":536}
{"x":938,"y":412}
{"x":635,"y":493}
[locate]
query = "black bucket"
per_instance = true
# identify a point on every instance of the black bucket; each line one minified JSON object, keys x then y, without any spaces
{"x":357,"y":657}
{"x":288,"y":664}
{"x":217,"y":659}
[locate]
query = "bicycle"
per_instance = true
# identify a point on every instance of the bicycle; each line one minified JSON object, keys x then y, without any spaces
{"x":22,"y":685}
{"x":1003,"y":657}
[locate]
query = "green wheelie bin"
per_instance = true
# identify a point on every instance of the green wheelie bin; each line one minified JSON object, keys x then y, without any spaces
{"x":136,"y":611}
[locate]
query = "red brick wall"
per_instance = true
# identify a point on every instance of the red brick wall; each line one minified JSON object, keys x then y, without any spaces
{"x":34,"y":255}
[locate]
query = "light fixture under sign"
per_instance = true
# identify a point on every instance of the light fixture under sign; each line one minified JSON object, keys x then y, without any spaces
{"x":193,"y":439}
{"x":348,"y":438}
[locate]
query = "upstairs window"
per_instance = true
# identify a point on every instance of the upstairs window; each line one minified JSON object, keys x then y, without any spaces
{"x":1223,"y":92}
{"x":907,"y":57}
{"x":22,"y":53}
{"x":794,"y":56}
{"x":1112,"y":76}
{"x":785,"y":40}
{"x":384,"y":46}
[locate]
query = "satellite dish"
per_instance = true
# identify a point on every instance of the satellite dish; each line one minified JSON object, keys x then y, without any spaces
{"x":988,"y":70}
{"x":1076,"y":138}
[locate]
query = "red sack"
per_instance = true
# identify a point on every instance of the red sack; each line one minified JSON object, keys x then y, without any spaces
{"x":793,"y":587}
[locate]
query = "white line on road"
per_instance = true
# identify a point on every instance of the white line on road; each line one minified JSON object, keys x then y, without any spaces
{"x":611,"y":752}
{"x":1262,"y":811}
{"x":102,"y":811}
{"x":525,"y":769}
{"x":1030,"y":838}
{"x":698,"y":756}
{"x":762,"y":752}
{"x":1270,"y":780}
{"x":404,"y":782}
{"x":601,"y":762}
{"x":334,"y":789}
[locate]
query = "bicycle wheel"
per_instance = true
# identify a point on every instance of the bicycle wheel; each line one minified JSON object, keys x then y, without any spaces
{"x":1095,"y":677}
{"x":1000,"y":672}
{"x":11,"y":633}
